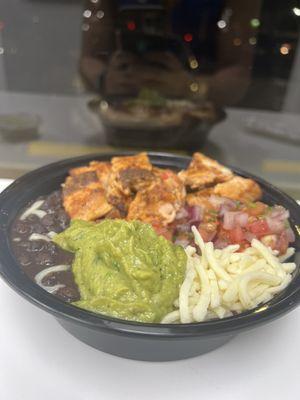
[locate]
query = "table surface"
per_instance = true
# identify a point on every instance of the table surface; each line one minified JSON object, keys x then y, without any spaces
{"x":40,"y":360}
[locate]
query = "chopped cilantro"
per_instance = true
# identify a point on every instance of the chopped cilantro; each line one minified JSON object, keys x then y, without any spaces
{"x":212,"y":220}
{"x":213,"y":212}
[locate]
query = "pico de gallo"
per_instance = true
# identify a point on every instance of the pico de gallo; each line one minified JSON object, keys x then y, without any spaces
{"x":226,"y":222}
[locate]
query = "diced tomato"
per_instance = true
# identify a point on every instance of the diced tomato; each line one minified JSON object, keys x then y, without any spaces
{"x":237,"y":235}
{"x":259,"y":228}
{"x":208,"y":231}
{"x":165,"y":175}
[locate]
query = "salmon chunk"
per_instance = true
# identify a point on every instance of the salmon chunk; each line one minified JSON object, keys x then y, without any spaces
{"x":238,"y":188}
{"x":128,"y":175}
{"x":158,"y":203}
{"x":203,"y":172}
{"x":84,"y":195}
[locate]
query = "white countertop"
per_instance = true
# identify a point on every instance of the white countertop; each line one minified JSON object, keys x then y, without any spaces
{"x":41,"y":361}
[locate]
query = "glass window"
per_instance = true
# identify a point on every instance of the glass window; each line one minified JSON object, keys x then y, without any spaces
{"x":221,"y":76}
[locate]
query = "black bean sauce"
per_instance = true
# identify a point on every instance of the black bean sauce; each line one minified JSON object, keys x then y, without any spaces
{"x":35,"y":254}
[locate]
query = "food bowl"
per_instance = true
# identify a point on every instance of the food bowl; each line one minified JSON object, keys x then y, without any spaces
{"x":151,"y":342}
{"x":187,"y":132}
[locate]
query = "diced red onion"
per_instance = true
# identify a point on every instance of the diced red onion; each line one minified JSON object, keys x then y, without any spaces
{"x":220,"y":244}
{"x":275,"y":224}
{"x":195,"y":213}
{"x":241,"y":219}
{"x":229,"y":220}
{"x":182,"y":242}
{"x":194,"y":223}
{"x":279,"y":212}
{"x":183,"y":227}
{"x":249,"y":236}
{"x":224,"y":209}
{"x":222,"y":202}
{"x":234,"y":218}
{"x":277,"y":218}
{"x":290,"y":235}
{"x":182,"y":213}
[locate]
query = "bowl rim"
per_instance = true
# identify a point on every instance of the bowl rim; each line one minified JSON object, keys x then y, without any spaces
{"x":24,"y":286}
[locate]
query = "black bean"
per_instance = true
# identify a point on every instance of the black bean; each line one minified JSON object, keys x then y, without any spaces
{"x":22,"y":228}
{"x":53,"y":201}
{"x":25,"y":244}
{"x":24,"y":259}
{"x":40,"y":254}
{"x":39,"y":228}
{"x":64,"y":224}
{"x":50,"y":279}
{"x":68,"y":294}
{"x":48,"y":220}
{"x":43,"y":259}
{"x":62,"y":217}
{"x":64,"y":257}
{"x":51,"y":248}
{"x":36,"y":245}
{"x":32,"y":218}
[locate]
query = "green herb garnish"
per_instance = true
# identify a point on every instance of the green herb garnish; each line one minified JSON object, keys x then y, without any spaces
{"x":147,"y":98}
{"x":213,"y":212}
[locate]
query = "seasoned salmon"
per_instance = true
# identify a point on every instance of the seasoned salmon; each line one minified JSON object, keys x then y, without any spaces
{"x":128,"y":175}
{"x":159,"y":202}
{"x":84,"y":193}
{"x":203,"y":172}
{"x":238,"y":188}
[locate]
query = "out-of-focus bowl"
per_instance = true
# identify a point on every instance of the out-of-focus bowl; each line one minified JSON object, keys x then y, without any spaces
{"x":184,"y":133}
{"x":152,"y":342}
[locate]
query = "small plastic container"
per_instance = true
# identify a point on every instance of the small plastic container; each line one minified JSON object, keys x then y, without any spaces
{"x":19,"y":127}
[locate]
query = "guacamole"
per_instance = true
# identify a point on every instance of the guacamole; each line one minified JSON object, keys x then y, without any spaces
{"x":124,"y":269}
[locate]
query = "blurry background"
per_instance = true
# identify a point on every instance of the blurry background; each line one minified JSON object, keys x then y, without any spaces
{"x":97,"y":75}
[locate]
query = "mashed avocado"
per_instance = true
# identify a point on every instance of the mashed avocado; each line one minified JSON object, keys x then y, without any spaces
{"x":124,"y":269}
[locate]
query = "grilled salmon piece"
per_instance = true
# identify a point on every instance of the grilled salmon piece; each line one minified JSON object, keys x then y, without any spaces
{"x":238,"y":188}
{"x":101,"y":169}
{"x":140,"y":161}
{"x":81,"y":170}
{"x":84,"y":194}
{"x":200,"y":198}
{"x":88,"y":204}
{"x":129,"y":175}
{"x":158,"y":203}
{"x":133,"y":173}
{"x":203,"y":172}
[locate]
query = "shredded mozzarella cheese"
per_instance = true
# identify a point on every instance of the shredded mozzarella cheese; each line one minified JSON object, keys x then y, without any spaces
{"x":34,"y":210}
{"x":41,"y":275}
{"x":219,"y":283}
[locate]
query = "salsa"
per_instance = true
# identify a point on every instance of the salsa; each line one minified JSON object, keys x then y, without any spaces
{"x":227,"y":221}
